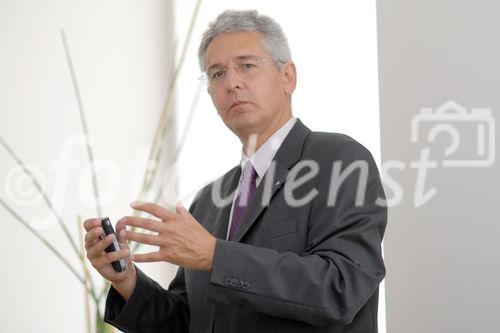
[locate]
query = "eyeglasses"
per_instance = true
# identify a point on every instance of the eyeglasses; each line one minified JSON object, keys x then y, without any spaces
{"x":247,"y":69}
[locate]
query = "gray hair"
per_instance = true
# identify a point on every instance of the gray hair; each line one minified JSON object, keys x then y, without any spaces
{"x":273,"y":38}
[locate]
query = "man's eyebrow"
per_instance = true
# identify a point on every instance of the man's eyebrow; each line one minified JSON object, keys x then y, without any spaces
{"x":239,"y":58}
{"x":247,"y":57}
{"x":214,"y":66}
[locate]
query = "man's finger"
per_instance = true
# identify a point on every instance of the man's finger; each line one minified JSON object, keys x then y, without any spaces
{"x":179,"y":208}
{"x":108,"y":258}
{"x":153,"y":209}
{"x":147,"y":257}
{"x":99,"y":247}
{"x":90,"y":224}
{"x":120,"y":225}
{"x":122,"y":239}
{"x":143,"y":223}
{"x":117,"y":255}
{"x":92,"y":236}
{"x":142,"y":238}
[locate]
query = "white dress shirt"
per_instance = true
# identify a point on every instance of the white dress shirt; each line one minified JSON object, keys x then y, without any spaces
{"x":263,"y":157}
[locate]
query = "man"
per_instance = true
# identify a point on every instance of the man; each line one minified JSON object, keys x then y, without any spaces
{"x":288,"y":241}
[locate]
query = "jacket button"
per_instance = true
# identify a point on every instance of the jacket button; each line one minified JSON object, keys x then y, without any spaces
{"x":227,"y":281}
{"x":234,"y":282}
{"x":246,"y":285}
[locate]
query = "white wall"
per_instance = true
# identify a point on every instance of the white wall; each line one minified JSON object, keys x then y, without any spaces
{"x":442,"y":254}
{"x":122,"y":53}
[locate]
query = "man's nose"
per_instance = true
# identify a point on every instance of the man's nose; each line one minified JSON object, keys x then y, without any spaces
{"x":233,"y":80}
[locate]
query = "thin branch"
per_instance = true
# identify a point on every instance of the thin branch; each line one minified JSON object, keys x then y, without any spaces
{"x":150,"y":174}
{"x":42,"y":239}
{"x":104,"y":290}
{"x":98,"y":319}
{"x":156,"y":147}
{"x":86,"y":275}
{"x":185,"y":132}
{"x":83,"y":120}
{"x":189,"y":121}
{"x":44,"y":195}
{"x":178,"y":150}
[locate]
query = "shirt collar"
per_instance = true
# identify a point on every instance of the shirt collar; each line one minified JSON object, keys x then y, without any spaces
{"x":265,"y":154}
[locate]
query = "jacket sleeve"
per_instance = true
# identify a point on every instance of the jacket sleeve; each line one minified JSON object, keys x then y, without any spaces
{"x":150,"y":308}
{"x":338,"y":272}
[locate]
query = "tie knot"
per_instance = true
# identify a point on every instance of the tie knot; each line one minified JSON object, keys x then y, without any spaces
{"x":249,"y":172}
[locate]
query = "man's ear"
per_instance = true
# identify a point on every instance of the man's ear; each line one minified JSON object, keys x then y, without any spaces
{"x":289,"y":73}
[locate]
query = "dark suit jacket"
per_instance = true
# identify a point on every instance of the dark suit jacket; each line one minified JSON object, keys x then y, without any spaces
{"x":311,"y":268}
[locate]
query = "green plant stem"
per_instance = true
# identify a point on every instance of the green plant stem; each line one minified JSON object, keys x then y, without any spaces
{"x":104,"y":290}
{"x":150,"y":174}
{"x":178,"y":149}
{"x":86,"y":275}
{"x":90,"y":152}
{"x":46,"y":243}
{"x":44,"y":195}
{"x":101,"y":326}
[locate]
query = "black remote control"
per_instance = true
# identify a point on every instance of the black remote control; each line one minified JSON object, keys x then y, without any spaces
{"x":118,"y":266}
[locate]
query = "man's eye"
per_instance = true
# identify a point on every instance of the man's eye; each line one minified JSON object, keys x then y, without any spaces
{"x":248,"y":66}
{"x":218,"y":74}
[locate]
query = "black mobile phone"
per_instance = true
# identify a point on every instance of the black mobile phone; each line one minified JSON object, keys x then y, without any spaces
{"x":118,"y":266}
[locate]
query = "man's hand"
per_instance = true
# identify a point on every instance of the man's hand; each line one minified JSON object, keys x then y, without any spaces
{"x":181,"y":239}
{"x":123,"y":282}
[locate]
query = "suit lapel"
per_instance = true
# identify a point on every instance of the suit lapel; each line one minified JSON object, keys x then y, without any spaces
{"x":220,"y":216}
{"x":286,"y":157}
{"x":259,"y":202}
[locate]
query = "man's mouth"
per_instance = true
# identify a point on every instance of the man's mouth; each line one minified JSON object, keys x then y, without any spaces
{"x":238,"y":103}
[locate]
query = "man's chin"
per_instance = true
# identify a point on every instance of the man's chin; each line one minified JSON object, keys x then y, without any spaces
{"x":243,"y":124}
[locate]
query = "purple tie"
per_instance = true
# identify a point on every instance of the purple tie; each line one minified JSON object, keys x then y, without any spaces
{"x":244,"y":197}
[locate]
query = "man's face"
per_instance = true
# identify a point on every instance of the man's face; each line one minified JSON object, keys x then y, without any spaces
{"x":251,"y":104}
